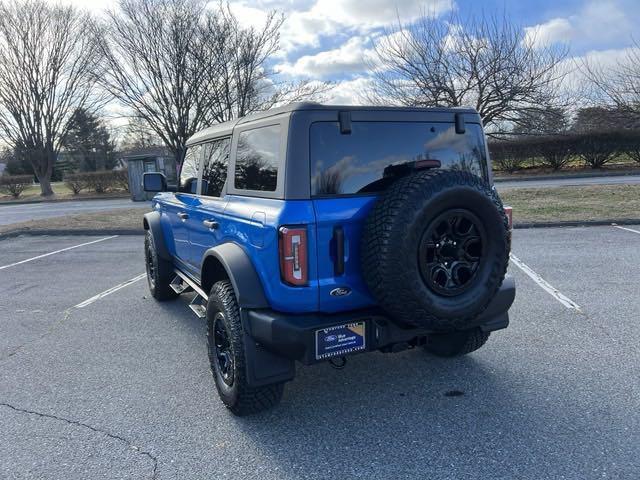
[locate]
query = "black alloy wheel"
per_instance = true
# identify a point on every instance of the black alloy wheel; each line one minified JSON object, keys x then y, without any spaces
{"x":223,"y":349}
{"x":451,"y":251}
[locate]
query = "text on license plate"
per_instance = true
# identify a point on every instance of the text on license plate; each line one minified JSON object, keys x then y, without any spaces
{"x":340,"y":340}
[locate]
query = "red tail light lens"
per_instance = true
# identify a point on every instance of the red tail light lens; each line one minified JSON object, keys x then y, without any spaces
{"x":509,"y":212}
{"x":293,"y":255}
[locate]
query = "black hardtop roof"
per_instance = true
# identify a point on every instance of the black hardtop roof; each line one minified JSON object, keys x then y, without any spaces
{"x":226,"y":128}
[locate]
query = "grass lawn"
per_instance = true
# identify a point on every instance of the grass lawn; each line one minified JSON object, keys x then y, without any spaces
{"x":112,"y":219}
{"x":593,"y":202}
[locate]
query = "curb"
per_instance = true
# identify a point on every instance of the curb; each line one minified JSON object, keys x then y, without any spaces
{"x":582,"y":223}
{"x":568,"y":176}
{"x":61,"y":200}
{"x":61,"y":232}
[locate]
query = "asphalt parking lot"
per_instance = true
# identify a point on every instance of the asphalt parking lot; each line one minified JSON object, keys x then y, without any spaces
{"x":118,"y":386}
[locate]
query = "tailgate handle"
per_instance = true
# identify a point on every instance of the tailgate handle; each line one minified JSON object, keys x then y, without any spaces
{"x":338,"y":262}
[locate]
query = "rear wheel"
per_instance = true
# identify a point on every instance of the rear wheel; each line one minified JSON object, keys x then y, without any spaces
{"x":159,"y":271}
{"x":225,"y":339}
{"x":456,"y":343}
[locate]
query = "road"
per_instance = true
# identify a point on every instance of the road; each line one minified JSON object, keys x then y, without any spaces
{"x":38,"y":211}
{"x":560,"y":182}
{"x":118,"y":385}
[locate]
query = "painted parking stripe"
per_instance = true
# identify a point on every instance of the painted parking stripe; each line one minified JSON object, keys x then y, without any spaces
{"x":109,"y":291}
{"x":57,"y":251}
{"x":546,"y":286}
{"x":628,"y":229}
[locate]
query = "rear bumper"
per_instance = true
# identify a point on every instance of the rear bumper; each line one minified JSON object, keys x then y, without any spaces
{"x":293,"y":336}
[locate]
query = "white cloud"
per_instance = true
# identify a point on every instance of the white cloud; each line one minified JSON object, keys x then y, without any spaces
{"x":350,"y":92}
{"x":553,"y":31}
{"x":352,"y":57}
{"x":330,"y":17}
{"x":597,"y":23}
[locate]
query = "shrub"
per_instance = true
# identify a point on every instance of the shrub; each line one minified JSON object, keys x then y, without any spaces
{"x":599,"y":148}
{"x":76,"y":182}
{"x":121,"y":179}
{"x":507,"y":155}
{"x":15,"y":184}
{"x":556,"y":151}
{"x":98,"y":182}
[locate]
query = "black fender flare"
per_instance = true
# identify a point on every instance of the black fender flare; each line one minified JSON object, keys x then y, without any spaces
{"x":151,"y":222}
{"x":241,"y":272}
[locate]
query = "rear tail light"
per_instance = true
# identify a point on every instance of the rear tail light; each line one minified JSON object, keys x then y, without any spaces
{"x":293,"y":255}
{"x":509,"y":212}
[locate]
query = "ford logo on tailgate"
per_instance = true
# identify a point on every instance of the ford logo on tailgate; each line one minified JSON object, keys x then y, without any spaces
{"x":340,"y":292}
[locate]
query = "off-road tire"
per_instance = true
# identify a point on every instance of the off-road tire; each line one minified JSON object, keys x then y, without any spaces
{"x":393,"y":234}
{"x":455,"y":344}
{"x":238,"y":397}
{"x":160,"y":274}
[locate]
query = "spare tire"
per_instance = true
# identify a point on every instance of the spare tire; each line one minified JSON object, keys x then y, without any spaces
{"x":436,"y":248}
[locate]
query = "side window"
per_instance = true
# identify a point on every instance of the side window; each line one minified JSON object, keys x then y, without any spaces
{"x":257,"y":159}
{"x":216,"y":161}
{"x":189,"y":171}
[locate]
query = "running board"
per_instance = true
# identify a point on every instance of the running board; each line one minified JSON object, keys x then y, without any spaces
{"x":191,"y":284}
{"x":182,"y":283}
{"x":179,"y":286}
{"x":197,"y":307}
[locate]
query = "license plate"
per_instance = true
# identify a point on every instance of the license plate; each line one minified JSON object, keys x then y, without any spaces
{"x":340,"y":340}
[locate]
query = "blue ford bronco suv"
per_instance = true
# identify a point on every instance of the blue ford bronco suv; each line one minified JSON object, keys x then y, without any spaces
{"x":312,"y":232}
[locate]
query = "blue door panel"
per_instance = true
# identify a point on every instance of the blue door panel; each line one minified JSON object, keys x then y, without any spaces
{"x":201,"y":236}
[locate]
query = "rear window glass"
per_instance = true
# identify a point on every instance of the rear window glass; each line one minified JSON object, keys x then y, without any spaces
{"x":257,"y":159}
{"x":355,"y":163}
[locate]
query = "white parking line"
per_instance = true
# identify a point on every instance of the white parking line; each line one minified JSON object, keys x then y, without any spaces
{"x":57,"y":251}
{"x":546,"y":286}
{"x":628,"y":229}
{"x":111,"y":290}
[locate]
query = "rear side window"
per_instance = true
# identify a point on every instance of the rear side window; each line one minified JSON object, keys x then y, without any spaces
{"x":257,"y":159}
{"x":216,"y":162}
{"x":355,"y":163}
{"x":189,"y":170}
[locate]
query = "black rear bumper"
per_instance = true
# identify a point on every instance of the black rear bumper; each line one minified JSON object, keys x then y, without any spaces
{"x":293,"y":336}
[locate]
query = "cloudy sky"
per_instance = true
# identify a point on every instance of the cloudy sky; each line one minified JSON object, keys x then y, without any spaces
{"x":331,"y":39}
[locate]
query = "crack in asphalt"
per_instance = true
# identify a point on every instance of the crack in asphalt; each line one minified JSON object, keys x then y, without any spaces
{"x":77,"y":423}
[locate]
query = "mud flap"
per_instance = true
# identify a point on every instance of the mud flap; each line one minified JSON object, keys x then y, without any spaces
{"x":265,"y":367}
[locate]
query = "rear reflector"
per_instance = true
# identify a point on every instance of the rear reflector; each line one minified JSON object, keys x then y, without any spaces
{"x":293,"y":255}
{"x":509,"y":212}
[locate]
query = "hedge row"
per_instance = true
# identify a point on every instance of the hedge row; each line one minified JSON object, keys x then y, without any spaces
{"x":595,"y":149}
{"x":98,"y":182}
{"x":14,"y":185}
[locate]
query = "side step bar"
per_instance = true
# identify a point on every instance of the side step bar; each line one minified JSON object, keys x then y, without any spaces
{"x":182,"y":283}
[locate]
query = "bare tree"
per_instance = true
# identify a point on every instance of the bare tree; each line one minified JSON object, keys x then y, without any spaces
{"x":617,"y":84}
{"x":47,"y":67}
{"x":485,"y":62}
{"x":180,"y":65}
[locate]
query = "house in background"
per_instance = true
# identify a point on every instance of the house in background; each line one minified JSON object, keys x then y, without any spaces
{"x":151,"y":159}
{"x":2,"y":167}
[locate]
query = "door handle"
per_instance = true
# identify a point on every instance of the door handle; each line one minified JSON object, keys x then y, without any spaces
{"x":183,"y":215}
{"x":211,"y":224}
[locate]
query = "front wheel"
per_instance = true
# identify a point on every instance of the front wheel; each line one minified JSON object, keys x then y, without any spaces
{"x":159,"y":271}
{"x":225,"y":340}
{"x":455,"y":344}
